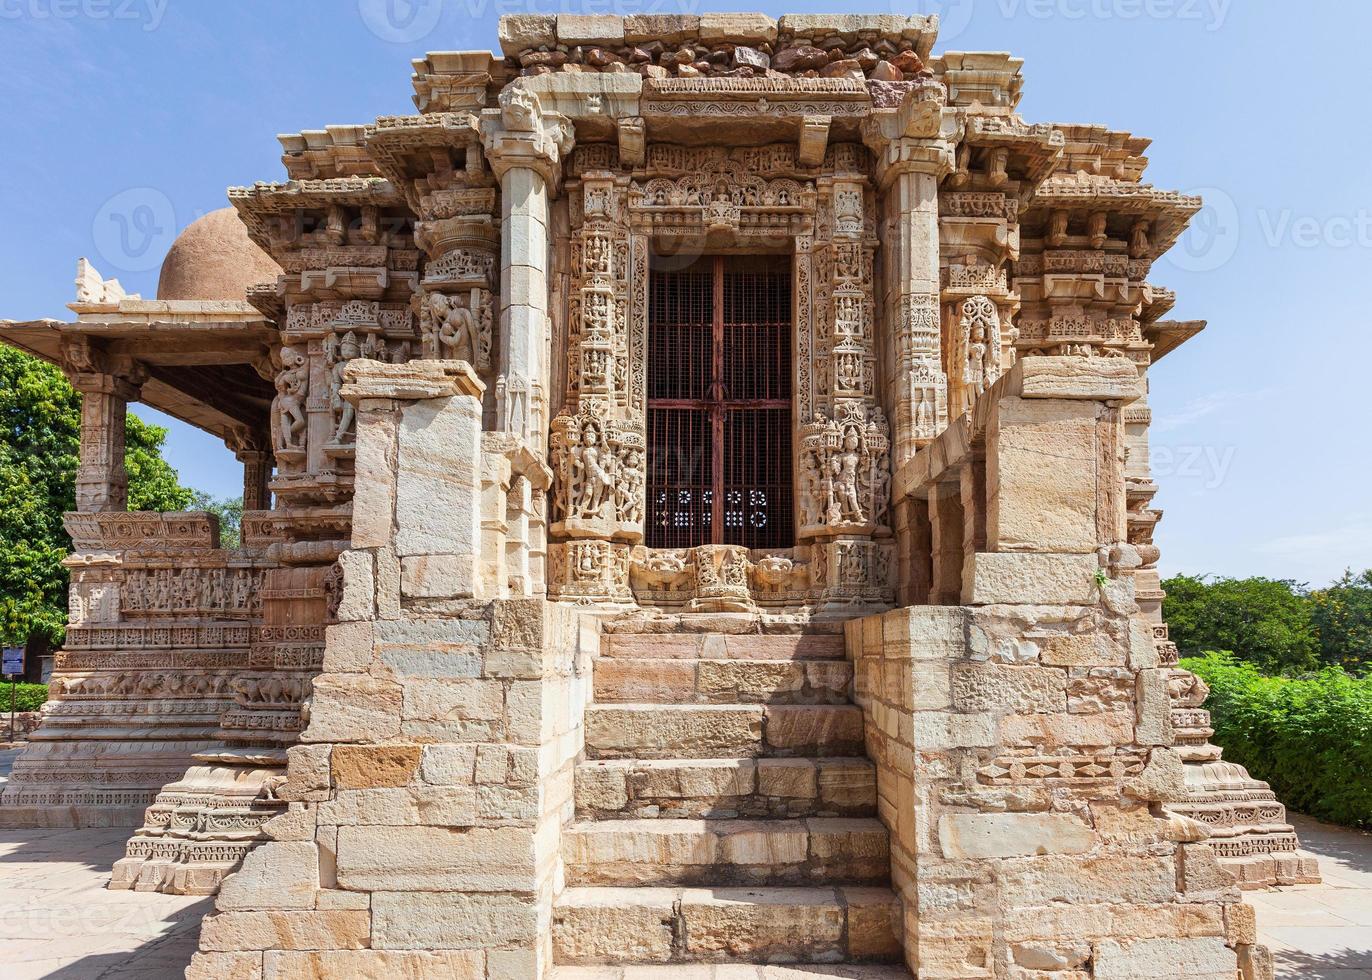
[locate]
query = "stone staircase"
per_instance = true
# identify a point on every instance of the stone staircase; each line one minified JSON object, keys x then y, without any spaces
{"x":726,"y":811}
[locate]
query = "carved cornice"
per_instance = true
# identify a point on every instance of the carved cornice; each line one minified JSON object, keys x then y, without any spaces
{"x":768,"y":96}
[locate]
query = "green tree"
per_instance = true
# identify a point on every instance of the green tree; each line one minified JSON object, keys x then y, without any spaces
{"x":230,"y":514}
{"x":1343,"y":621}
{"x":40,"y":425}
{"x":1266,"y":622}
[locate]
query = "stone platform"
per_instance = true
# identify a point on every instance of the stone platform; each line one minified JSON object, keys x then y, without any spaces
{"x":58,"y":920}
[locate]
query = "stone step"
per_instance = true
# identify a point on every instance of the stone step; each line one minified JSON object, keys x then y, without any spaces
{"x":730,"y":971}
{"x":723,"y":646}
{"x":678,"y":681}
{"x":608,"y":926}
{"x":832,"y":850}
{"x":707,"y":731}
{"x":725,"y":788}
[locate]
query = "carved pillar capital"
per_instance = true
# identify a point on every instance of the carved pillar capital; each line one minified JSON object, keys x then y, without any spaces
{"x":107,"y":385}
{"x":920,"y":136}
{"x":520,"y":135}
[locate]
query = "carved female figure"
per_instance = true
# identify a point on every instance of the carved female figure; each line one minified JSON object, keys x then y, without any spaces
{"x":846,"y":469}
{"x":288,"y":408}
{"x":343,"y":351}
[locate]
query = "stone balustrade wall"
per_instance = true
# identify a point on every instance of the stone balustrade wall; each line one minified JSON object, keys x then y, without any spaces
{"x":431,"y":785}
{"x":1020,"y":720}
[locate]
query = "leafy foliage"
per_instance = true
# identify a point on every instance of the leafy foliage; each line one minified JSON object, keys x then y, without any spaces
{"x":1263,"y":621}
{"x":1342,"y":616}
{"x":1311,"y":738}
{"x":1279,"y":626}
{"x":230,"y":514}
{"x":40,"y":425}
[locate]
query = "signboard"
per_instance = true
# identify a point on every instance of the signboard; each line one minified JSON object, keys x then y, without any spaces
{"x":13,"y":661}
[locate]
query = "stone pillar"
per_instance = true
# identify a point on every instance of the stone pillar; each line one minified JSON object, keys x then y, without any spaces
{"x":250,"y":449}
{"x":948,"y":533}
{"x":102,"y":483}
{"x":525,"y":146}
{"x":914,"y":147}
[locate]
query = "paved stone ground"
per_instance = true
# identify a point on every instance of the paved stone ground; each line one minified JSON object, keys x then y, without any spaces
{"x":1323,"y":932}
{"x":57,"y":920}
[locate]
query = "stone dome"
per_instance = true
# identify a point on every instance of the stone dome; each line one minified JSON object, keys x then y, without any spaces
{"x":213,"y":259}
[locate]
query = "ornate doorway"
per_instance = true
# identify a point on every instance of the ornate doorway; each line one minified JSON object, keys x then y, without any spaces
{"x":719,"y":403}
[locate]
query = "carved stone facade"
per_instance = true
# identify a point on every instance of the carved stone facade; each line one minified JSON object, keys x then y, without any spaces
{"x":451,"y":711}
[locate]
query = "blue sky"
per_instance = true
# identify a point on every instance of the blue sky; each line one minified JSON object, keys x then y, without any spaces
{"x":143,"y":111}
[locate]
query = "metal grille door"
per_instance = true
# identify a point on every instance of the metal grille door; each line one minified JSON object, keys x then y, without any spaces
{"x":719,"y":404}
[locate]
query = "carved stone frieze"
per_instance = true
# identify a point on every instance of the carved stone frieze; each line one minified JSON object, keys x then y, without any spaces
{"x":599,"y":468}
{"x":845,"y":476}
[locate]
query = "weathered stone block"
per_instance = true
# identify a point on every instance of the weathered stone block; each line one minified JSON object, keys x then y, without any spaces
{"x":743,"y":28}
{"x":1156,"y":959}
{"x":438,"y":576}
{"x":374,"y":766}
{"x":274,"y":875}
{"x":376,"y":964}
{"x":667,"y":28}
{"x":993,"y":687}
{"x":437,"y":507}
{"x":225,"y":966}
{"x":448,"y":765}
{"x":1033,"y":578}
{"x":358,"y":599}
{"x":423,"y":920}
{"x":599,"y":925}
{"x":1042,"y":476}
{"x":235,"y":931}
{"x":590,"y":29}
{"x":519,"y":32}
{"x":427,"y":859}
{"x":353,"y":708}
{"x":1003,"y":835}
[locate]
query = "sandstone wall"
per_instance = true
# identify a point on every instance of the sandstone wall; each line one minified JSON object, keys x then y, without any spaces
{"x":1023,"y":736}
{"x":429,"y":790}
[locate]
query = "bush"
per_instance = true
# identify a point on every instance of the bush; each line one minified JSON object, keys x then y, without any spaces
{"x":1310,"y":738}
{"x":28,"y":697}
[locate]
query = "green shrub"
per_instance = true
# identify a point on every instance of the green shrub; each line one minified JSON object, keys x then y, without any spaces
{"x":28,"y":697}
{"x":1310,"y":738}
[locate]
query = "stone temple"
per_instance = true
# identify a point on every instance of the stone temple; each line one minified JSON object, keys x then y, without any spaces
{"x":698,"y":511}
